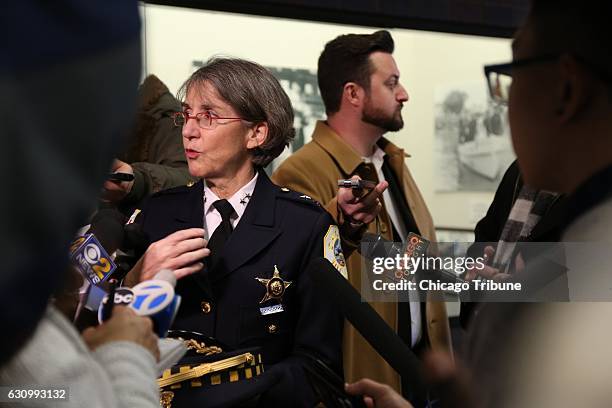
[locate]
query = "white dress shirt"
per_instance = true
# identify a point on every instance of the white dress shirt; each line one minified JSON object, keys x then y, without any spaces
{"x":239,"y":201}
{"x":377,"y":159}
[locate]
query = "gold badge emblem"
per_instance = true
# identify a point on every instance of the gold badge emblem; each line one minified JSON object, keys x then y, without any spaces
{"x":165,"y":399}
{"x":275,"y":286}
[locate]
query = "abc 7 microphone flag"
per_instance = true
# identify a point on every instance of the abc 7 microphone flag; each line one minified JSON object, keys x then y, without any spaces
{"x":152,"y":298}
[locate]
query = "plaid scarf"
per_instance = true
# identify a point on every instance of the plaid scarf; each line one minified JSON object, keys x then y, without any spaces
{"x":526,"y":212}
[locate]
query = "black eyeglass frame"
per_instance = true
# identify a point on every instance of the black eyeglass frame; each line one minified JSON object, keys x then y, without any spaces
{"x":506,"y":69}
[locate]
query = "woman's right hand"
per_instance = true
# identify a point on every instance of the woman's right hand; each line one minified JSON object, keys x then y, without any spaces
{"x":124,"y":325}
{"x":489,"y":272}
{"x":181,"y":252}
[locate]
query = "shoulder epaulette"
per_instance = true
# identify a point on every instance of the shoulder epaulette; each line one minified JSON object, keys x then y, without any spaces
{"x":298,"y":197}
{"x":174,"y":190}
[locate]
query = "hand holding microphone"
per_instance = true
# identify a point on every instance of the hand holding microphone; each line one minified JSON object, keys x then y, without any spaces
{"x":358,"y":205}
{"x":377,"y":395}
{"x":124,"y":325}
{"x":116,"y":190}
{"x":490,"y":272}
{"x":154,"y":298}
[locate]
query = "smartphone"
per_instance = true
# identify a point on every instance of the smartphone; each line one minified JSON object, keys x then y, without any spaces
{"x":357,"y":184}
{"x":121,"y":177}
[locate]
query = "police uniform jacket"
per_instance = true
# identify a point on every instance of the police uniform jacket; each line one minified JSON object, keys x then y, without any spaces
{"x":280,"y":230}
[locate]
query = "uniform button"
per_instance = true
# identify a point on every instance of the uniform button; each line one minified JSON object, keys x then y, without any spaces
{"x":272,"y":329}
{"x":206,"y":307}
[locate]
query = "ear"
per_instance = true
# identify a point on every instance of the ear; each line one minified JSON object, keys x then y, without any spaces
{"x":575,"y":89}
{"x":353,"y":93}
{"x":257,"y":135}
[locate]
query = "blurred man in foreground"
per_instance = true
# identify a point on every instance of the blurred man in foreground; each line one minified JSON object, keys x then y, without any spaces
{"x":62,"y":123}
{"x":560,"y":108}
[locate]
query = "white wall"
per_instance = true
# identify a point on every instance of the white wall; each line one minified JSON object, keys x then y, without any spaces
{"x":176,"y":36}
{"x":427,"y":60}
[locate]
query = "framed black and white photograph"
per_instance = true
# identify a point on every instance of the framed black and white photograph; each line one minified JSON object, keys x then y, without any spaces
{"x":302,"y":87}
{"x":472,"y":146}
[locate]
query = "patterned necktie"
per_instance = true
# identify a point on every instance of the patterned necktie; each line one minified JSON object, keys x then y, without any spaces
{"x":222,"y":233}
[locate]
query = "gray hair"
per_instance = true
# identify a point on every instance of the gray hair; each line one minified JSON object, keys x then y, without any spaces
{"x":255,"y":94}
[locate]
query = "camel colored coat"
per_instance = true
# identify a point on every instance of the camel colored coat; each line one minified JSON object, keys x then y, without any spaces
{"x":314,"y":170}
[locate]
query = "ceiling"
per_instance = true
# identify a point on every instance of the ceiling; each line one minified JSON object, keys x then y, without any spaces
{"x":495,"y":18}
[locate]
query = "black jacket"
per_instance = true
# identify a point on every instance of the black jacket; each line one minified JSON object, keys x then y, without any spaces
{"x":279,"y":228}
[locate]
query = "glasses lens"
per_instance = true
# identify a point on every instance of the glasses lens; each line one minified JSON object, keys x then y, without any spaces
{"x":205,"y":120}
{"x":499,"y":86}
{"x":179,"y":119}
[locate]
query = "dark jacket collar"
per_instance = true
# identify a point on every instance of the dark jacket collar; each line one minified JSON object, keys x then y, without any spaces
{"x":260,"y":210}
{"x":192,"y":209}
{"x":255,"y":231}
{"x":192,"y":212}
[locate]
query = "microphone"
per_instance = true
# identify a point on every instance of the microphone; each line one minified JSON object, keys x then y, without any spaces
{"x":156,"y":299}
{"x":378,"y":247}
{"x":368,"y":323}
{"x":91,"y":253}
{"x":122,"y":297}
{"x":136,"y":238}
{"x":108,"y":226}
{"x":375,"y":246}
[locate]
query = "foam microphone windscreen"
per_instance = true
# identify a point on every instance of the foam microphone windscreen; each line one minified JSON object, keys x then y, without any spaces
{"x":107,"y":226}
{"x":375,"y":246}
{"x":136,"y":238}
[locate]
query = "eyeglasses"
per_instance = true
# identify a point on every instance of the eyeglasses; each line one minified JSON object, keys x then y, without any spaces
{"x":205,"y":120}
{"x":499,"y":76}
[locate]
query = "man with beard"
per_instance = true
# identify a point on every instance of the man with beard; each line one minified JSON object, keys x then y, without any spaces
{"x":359,"y":83}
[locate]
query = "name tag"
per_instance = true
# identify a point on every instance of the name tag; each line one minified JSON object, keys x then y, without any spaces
{"x":268,"y":310}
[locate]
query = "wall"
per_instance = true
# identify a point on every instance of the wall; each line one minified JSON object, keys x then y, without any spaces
{"x":175,"y":36}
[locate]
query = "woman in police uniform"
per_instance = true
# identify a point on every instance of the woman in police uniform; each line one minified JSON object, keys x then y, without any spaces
{"x":247,"y":285}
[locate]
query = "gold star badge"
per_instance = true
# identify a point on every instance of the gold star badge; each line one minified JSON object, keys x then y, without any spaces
{"x":275,"y":286}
